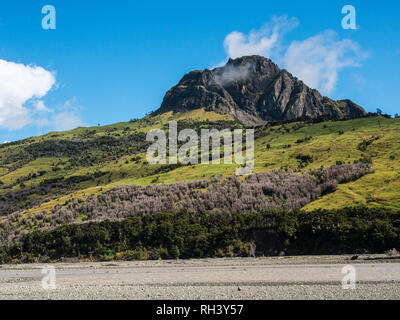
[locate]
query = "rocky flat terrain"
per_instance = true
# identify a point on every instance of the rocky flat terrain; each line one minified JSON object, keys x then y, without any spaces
{"x":309,"y":277}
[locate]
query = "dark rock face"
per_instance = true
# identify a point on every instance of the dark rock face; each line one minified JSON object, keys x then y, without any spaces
{"x":253,"y":90}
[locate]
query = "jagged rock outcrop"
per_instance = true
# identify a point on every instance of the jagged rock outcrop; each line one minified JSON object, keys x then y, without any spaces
{"x":253,"y":90}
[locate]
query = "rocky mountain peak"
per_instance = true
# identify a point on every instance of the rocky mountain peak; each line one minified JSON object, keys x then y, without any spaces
{"x":253,"y":89}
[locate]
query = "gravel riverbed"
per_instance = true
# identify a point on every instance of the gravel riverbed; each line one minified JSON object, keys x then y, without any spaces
{"x":309,"y":277}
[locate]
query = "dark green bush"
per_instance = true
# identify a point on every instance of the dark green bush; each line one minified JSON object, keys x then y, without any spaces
{"x":197,"y":235}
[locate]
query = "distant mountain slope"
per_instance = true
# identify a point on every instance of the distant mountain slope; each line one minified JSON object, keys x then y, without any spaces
{"x":253,"y":90}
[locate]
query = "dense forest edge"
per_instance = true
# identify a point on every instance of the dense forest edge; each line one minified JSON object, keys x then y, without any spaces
{"x":183,"y":234}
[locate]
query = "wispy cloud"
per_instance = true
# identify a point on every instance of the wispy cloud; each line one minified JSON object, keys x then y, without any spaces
{"x":65,"y":118}
{"x":316,"y":60}
{"x":259,"y":42}
{"x":233,"y":73}
{"x":40,"y":106}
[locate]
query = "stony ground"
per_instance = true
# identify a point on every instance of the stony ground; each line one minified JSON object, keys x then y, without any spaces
{"x":241,"y":278}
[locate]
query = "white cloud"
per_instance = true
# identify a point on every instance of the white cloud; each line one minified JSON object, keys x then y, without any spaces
{"x":316,"y":60}
{"x":22,"y":89}
{"x":20,"y":83}
{"x":259,"y":42}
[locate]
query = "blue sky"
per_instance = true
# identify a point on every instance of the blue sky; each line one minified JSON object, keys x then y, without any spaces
{"x":110,"y":61}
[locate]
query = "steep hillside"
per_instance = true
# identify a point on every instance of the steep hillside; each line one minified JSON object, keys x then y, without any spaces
{"x":95,"y":174}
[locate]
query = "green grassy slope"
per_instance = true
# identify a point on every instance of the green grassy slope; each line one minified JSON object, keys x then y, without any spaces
{"x":101,"y":168}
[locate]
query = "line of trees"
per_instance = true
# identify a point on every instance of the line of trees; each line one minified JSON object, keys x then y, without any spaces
{"x":184,"y":234}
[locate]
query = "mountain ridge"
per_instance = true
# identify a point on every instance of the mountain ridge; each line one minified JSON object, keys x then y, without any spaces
{"x":253,"y":90}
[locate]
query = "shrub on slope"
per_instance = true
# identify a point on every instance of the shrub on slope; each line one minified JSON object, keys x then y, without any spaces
{"x":266,"y":191}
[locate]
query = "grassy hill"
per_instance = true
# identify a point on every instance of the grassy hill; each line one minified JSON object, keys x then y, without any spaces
{"x":41,"y":177}
{"x":40,"y":172}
